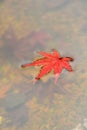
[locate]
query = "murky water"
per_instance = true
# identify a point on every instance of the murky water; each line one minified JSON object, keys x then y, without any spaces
{"x":27,"y":27}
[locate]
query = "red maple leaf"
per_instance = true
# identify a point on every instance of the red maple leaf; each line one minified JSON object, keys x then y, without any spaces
{"x":50,"y":61}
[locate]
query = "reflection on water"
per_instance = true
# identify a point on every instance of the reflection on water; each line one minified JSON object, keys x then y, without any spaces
{"x":25,"y":28}
{"x":81,"y":126}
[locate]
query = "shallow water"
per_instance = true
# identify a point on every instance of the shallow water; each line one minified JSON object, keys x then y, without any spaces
{"x":27,"y":27}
